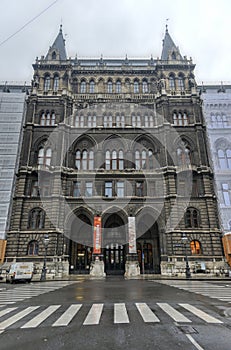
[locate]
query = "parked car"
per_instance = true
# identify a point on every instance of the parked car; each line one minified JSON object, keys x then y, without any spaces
{"x":20,"y":272}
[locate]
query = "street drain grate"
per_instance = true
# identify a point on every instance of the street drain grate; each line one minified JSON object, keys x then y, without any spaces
{"x":187,"y":329}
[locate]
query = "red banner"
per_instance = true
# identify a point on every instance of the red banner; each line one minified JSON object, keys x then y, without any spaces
{"x":97,"y":235}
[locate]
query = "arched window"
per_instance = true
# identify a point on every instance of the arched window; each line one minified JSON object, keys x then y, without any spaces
{"x":171,"y":82}
{"x":136,"y":87}
{"x":83,"y":87}
{"x":56,"y":83}
{"x":92,"y":87}
{"x":53,"y":56}
{"x":228,"y":157}
{"x":47,"y":119}
{"x":84,"y":160}
{"x":144,"y":159}
{"x":192,"y":218}
{"x":109,"y":87}
{"x":195,"y":247}
{"x":184,"y":155}
{"x":47,"y":83}
{"x":181,"y":83}
{"x":107,"y":121}
{"x":33,"y":248}
{"x":120,"y":122}
{"x":36,"y":218}
{"x":114,"y":160}
{"x":148,"y":121}
{"x":180,"y":119}
{"x":91,"y":121}
{"x":222,"y":159}
{"x":144,"y":86}
{"x":118,"y":87}
{"x":136,"y":121}
{"x":44,"y":156}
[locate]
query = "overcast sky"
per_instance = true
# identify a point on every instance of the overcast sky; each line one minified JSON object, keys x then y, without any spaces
{"x":114,"y":28}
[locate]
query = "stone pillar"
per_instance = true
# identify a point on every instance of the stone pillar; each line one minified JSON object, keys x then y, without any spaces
{"x":132,"y":268}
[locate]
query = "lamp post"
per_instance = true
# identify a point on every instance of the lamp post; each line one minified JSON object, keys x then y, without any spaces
{"x":44,"y":269}
{"x":184,"y":240}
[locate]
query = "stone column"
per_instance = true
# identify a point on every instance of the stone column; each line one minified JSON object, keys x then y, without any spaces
{"x":132,"y":268}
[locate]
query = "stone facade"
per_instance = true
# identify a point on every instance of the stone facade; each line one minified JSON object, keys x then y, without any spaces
{"x":116,"y":139}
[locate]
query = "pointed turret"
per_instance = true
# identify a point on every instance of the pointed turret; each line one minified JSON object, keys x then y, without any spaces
{"x":170,"y":51}
{"x":57,"y":51}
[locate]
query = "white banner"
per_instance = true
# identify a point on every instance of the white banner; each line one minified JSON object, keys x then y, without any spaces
{"x":132,"y":234}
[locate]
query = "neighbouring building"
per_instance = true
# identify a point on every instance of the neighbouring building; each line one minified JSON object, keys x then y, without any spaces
{"x":217,"y":111}
{"x":12,"y":102}
{"x":115,"y":168}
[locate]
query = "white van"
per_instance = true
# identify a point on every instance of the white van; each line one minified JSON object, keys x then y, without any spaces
{"x":20,"y":272}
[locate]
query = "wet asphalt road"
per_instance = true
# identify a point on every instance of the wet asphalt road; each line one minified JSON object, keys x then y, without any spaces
{"x":105,"y":334}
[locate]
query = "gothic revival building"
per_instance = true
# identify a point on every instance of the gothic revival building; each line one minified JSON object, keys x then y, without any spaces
{"x":115,"y":166}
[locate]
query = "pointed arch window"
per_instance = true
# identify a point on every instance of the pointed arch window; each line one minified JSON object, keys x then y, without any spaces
{"x":47,"y":83}
{"x":56,"y":83}
{"x":118,"y":87}
{"x":136,"y":87}
{"x":114,"y":160}
{"x":180,"y":119}
{"x":171,"y":82}
{"x":226,"y":194}
{"x":83,"y":87}
{"x":144,"y":159}
{"x":107,"y":121}
{"x":120,"y":122}
{"x":33,"y":248}
{"x":181,"y":83}
{"x":84,"y":160}
{"x":92,"y":87}
{"x":91,"y":121}
{"x":36,"y":219}
{"x":184,"y":155}
{"x":192,"y":218}
{"x":148,"y":121}
{"x":144,"y":87}
{"x":195,"y":247}
{"x":47,"y":119}
{"x":109,"y":87}
{"x":136,"y":121}
{"x":44,"y":156}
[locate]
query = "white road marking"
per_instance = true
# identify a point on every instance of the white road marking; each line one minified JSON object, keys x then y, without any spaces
{"x":67,"y":316}
{"x":201,"y":314}
{"x":17,"y":317}
{"x":146,"y":313}
{"x":193,"y":341}
{"x":37,"y":320}
{"x":120,"y":313}
{"x":94,"y":315}
{"x":174,"y":314}
{"x":6,"y":311}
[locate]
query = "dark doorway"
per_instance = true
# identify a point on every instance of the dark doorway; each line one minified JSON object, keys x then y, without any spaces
{"x":114,"y":239}
{"x":148,"y":247}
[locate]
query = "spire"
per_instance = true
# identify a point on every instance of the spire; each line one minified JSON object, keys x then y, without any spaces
{"x":170,"y":50}
{"x":57,"y":50}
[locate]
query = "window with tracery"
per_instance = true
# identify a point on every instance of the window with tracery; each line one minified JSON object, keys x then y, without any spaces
{"x":120,"y":121}
{"x":84,"y":160}
{"x":136,"y":87}
{"x":33,"y":248}
{"x":109,"y":87}
{"x":92,"y":87}
{"x":83,"y":87}
{"x":144,"y":159}
{"x":114,"y":160}
{"x":224,"y":158}
{"x":171,"y":82}
{"x":118,"y":87}
{"x":47,"y":83}
{"x":47,"y":119}
{"x":144,"y":87}
{"x":44,"y":156}
{"x":107,"y":121}
{"x":180,"y":119}
{"x":148,"y":121}
{"x":183,"y":155}
{"x":136,"y":121}
{"x":36,"y":218}
{"x":56,"y":83}
{"x":192,"y":218}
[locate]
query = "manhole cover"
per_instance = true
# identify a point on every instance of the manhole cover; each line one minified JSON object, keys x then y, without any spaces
{"x":187,"y":329}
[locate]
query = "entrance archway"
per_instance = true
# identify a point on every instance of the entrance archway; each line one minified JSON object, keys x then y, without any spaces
{"x":148,"y":246}
{"x":80,"y":245}
{"x":114,"y":239}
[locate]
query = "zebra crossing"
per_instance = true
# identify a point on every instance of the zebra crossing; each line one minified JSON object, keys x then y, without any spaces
{"x":44,"y":316}
{"x":11,"y":296}
{"x":211,"y":290}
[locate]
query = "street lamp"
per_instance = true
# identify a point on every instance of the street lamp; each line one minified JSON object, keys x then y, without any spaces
{"x":44,"y":269}
{"x":184,"y":240}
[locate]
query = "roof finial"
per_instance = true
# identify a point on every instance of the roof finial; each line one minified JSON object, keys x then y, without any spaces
{"x":167,"y":19}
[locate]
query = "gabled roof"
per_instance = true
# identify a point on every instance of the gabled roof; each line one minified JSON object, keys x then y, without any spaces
{"x":169,"y":50}
{"x":58,"y":46}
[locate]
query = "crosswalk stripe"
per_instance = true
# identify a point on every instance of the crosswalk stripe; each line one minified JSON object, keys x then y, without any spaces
{"x":6,"y":311}
{"x":37,"y":320}
{"x":68,"y":315}
{"x":174,"y":314}
{"x":17,"y":317}
{"x":120,"y":313}
{"x":201,"y":314}
{"x":146,"y":313}
{"x":94,"y":315}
